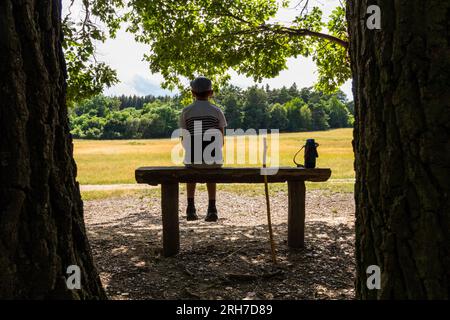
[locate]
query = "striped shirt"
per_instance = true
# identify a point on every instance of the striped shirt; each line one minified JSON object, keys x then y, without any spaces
{"x":197,"y":119}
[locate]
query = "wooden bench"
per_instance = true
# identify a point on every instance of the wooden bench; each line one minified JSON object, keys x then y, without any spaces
{"x":170,"y":177}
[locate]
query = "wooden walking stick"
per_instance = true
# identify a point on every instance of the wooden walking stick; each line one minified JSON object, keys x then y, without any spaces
{"x":266,"y":190}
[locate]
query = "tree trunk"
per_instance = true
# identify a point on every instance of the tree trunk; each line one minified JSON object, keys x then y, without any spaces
{"x":41,"y":213}
{"x":401,"y":77}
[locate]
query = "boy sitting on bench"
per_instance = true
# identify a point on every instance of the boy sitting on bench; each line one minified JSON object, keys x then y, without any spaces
{"x":198,"y":118}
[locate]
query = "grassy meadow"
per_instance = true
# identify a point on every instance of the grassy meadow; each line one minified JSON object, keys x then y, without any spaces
{"x":114,"y":161}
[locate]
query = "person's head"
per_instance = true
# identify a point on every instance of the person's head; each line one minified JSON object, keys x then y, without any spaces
{"x":201,"y":88}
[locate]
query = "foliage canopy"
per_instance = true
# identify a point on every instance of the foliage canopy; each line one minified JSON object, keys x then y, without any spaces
{"x":208,"y":37}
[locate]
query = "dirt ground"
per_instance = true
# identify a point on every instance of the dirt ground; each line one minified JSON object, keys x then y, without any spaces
{"x":229,"y":259}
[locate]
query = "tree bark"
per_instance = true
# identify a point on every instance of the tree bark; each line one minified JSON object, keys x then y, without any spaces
{"x":42,"y":230}
{"x":401,"y":77}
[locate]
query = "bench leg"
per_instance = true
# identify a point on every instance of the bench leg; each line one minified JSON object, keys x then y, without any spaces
{"x":296,"y":214}
{"x":170,"y":222}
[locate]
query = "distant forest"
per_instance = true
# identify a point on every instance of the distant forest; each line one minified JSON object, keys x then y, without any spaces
{"x":287,"y":109}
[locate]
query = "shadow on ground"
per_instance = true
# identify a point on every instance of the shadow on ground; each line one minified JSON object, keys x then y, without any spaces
{"x":220,"y":260}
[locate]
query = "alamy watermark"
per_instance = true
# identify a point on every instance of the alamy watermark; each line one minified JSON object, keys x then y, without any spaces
{"x":242,"y":147}
{"x":73,"y":281}
{"x":374,"y":20}
{"x":374,"y":277}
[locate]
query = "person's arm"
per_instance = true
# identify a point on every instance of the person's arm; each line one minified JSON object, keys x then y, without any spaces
{"x":222,"y":125}
{"x":222,"y":130}
{"x":182,"y":123}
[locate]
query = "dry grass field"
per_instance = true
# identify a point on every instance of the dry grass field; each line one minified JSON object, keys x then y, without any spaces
{"x":113,"y":162}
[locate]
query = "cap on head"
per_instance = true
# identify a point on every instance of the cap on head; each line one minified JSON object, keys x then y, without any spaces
{"x":201,"y":84}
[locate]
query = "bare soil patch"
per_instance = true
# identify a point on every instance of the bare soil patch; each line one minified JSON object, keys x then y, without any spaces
{"x":229,"y":259}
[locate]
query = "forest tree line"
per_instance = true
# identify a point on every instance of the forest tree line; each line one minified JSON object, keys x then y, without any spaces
{"x":287,"y":109}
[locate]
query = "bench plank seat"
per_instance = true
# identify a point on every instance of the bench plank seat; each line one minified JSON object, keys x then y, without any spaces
{"x":170,"y":177}
{"x":159,"y":175}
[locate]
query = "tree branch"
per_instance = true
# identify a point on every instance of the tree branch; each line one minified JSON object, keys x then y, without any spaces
{"x":288,"y":30}
{"x":304,"y":32}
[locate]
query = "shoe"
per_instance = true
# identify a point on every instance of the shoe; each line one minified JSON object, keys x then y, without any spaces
{"x":211,"y":216}
{"x":191,"y":214}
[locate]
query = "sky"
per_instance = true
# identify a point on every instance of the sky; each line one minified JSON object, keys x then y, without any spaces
{"x":125,"y":55}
